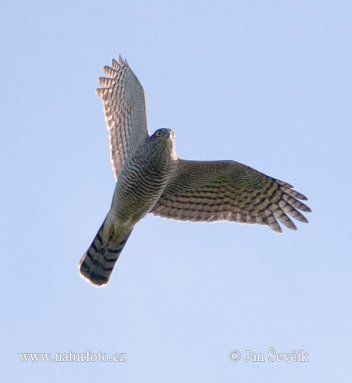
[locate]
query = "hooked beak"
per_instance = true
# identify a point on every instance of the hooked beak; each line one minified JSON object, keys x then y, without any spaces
{"x":171,"y":134}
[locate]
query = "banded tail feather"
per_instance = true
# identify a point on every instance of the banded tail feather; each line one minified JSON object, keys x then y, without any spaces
{"x":97,"y":263}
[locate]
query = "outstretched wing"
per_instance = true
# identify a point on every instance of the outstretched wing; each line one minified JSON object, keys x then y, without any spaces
{"x":228,"y":190}
{"x":124,"y":106}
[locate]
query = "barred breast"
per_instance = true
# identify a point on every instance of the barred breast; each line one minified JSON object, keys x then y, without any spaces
{"x":141,"y":183}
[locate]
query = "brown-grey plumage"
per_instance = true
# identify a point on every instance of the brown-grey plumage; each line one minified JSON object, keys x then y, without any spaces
{"x":228,"y":190}
{"x":124,"y":107}
{"x":152,"y":179}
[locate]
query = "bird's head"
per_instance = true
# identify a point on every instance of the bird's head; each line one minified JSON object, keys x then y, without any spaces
{"x":163,"y":135}
{"x":164,"y":139}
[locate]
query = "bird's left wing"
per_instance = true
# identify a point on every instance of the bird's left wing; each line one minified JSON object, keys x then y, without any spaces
{"x":228,"y":190}
{"x":125,"y":114}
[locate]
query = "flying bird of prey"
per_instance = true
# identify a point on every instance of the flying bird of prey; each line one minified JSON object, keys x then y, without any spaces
{"x":152,"y":179}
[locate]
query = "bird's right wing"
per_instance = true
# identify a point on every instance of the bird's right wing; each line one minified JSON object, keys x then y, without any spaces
{"x":227,"y":190}
{"x":124,"y":106}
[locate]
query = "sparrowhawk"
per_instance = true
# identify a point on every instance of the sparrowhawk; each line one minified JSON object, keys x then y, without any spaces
{"x":152,"y":179}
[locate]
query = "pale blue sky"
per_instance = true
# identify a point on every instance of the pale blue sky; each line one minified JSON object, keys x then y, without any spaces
{"x":266,"y":83}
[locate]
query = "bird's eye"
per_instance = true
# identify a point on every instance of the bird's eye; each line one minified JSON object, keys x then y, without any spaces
{"x":158,"y":133}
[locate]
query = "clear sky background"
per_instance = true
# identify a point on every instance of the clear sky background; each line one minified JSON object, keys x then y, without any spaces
{"x":266,"y":83}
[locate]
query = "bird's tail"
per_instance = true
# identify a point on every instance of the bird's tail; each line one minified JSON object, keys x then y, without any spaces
{"x":97,"y":263}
